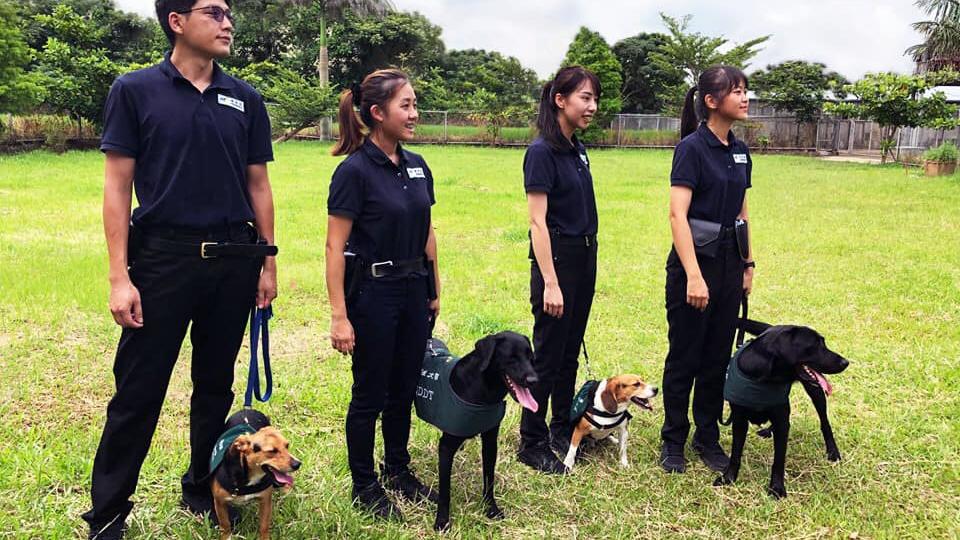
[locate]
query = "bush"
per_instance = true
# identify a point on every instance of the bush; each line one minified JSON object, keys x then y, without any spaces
{"x":944,"y":153}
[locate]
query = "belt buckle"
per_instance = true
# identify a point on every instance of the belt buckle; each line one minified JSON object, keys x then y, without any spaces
{"x":203,"y":250}
{"x":373,"y":268}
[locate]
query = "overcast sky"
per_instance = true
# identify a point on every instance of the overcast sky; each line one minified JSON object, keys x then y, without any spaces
{"x":850,"y":36}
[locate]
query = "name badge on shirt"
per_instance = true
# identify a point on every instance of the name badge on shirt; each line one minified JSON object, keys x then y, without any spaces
{"x":415,"y":172}
{"x":231,"y":102}
{"x":739,"y":158}
{"x":583,"y":158}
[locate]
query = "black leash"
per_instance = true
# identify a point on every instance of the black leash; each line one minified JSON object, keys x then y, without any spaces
{"x":259,"y":327}
{"x":741,"y":331}
{"x":586,"y":360}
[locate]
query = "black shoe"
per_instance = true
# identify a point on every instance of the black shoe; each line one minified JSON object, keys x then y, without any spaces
{"x":672,"y":460}
{"x":113,"y":530}
{"x":374,"y":499}
{"x":201,"y":506}
{"x":540,"y":458}
{"x":711,"y":455}
{"x":408,"y":486}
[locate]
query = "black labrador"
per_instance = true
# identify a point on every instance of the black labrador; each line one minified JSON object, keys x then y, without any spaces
{"x":500,"y":364}
{"x":779,"y":356}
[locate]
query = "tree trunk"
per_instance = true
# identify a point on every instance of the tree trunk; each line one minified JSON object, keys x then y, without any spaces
{"x":323,"y":75}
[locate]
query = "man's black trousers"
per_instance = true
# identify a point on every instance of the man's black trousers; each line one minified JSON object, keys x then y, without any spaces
{"x":213,"y":297}
{"x":389,"y":318}
{"x":700,"y":345}
{"x":556,"y":341}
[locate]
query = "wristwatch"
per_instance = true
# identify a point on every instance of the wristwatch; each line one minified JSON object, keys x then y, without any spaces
{"x":749,"y":264}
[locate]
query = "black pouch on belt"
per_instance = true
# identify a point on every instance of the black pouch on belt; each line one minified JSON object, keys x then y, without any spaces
{"x":706,"y":237}
{"x":134,"y":241}
{"x":743,"y":238}
{"x":352,"y":275}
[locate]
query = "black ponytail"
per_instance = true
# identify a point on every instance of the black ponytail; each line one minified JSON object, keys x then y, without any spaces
{"x":565,"y":83}
{"x":717,"y":81}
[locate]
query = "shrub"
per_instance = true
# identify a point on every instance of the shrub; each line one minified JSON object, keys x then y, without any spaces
{"x":946,"y":152}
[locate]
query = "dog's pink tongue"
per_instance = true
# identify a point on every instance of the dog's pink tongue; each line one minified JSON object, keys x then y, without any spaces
{"x":823,"y":382}
{"x":282,"y":478}
{"x":525,"y":398}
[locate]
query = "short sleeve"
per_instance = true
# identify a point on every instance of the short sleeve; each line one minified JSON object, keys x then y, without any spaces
{"x":686,"y":165}
{"x":121,"y":128}
{"x":260,"y":144}
{"x":539,"y":169}
{"x":346,"y":193}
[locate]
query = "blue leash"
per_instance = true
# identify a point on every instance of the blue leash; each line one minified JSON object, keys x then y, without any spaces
{"x":258,"y":326}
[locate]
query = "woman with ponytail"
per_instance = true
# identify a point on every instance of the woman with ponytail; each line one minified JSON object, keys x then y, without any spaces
{"x":563,"y":253}
{"x":706,"y":274}
{"x":382,"y":279}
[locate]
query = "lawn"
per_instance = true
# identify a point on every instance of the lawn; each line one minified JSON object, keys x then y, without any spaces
{"x":868,"y":255}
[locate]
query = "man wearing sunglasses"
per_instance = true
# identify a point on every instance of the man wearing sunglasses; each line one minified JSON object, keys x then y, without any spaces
{"x":193,"y":143}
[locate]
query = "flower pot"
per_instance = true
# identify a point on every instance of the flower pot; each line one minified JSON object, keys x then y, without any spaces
{"x":939,"y":168}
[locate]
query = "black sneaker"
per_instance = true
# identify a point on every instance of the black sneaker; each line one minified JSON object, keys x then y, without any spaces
{"x":113,"y":530}
{"x":711,"y":455}
{"x":672,"y":460}
{"x":408,"y":486}
{"x":374,"y":499}
{"x":540,"y":458}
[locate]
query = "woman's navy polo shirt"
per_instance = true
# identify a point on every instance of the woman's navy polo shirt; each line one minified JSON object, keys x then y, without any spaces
{"x":389,"y":204}
{"x":718,"y":174}
{"x":191,"y":149}
{"x":565,"y":177}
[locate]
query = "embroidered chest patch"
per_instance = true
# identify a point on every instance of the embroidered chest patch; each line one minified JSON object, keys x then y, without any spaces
{"x":415,"y":172}
{"x":739,"y":158}
{"x":231,"y":102}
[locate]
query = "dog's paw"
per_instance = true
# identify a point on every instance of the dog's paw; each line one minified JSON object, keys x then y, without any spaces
{"x":494,"y":512}
{"x":833,"y":455}
{"x":766,"y":432}
{"x":441,"y":525}
{"x":777,"y":491}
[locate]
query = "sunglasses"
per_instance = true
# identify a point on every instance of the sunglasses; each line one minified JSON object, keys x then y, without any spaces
{"x":217,"y":13}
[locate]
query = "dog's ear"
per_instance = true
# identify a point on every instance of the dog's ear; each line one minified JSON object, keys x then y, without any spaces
{"x":608,"y":398}
{"x":485,"y":348}
{"x":241,"y":445}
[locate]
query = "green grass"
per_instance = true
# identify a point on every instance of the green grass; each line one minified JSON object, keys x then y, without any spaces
{"x":869,"y":256}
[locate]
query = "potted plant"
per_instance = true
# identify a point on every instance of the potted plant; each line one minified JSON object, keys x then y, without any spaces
{"x":941,"y":160}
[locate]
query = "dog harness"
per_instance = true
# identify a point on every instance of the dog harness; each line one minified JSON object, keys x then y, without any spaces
{"x":438,"y":404}
{"x":741,"y":390}
{"x":582,"y":407}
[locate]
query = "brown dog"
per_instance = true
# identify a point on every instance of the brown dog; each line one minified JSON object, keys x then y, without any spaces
{"x":607,"y":413}
{"x":253,"y":466}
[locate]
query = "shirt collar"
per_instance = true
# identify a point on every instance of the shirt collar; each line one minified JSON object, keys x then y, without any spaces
{"x":712,"y":139}
{"x":219,"y":79}
{"x":379,"y":157}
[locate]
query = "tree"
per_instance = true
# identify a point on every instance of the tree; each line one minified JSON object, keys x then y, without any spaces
{"x":642,"y":79}
{"x":797,"y":87}
{"x":591,"y":51}
{"x":895,"y":101}
{"x":295,"y":102}
{"x":77,"y":77}
{"x":688,"y":54}
{"x":504,"y":77}
{"x":941,"y":36}
{"x":19,"y":90}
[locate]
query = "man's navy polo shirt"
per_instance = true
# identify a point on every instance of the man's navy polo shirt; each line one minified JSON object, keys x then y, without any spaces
{"x":389,"y":204}
{"x":191,"y":149}
{"x":565,"y":177}
{"x":718,"y":174}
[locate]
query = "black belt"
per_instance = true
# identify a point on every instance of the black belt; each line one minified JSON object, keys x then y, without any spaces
{"x":586,"y":240}
{"x":209,"y":250}
{"x":384,"y":269}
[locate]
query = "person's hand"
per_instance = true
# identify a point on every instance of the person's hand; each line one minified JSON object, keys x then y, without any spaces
{"x":125,"y":304}
{"x":698,"y":295}
{"x":341,"y":335}
{"x":553,"y":300}
{"x":267,"y":286}
{"x":748,"y":280}
{"x":434,"y":307}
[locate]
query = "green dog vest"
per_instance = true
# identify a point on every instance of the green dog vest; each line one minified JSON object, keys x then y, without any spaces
{"x":224,"y":442}
{"x":437,"y":404}
{"x":741,"y":390}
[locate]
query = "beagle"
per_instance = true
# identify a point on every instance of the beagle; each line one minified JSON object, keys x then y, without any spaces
{"x":607,"y":413}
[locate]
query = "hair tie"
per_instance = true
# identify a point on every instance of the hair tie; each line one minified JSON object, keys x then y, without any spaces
{"x":357,"y":94}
